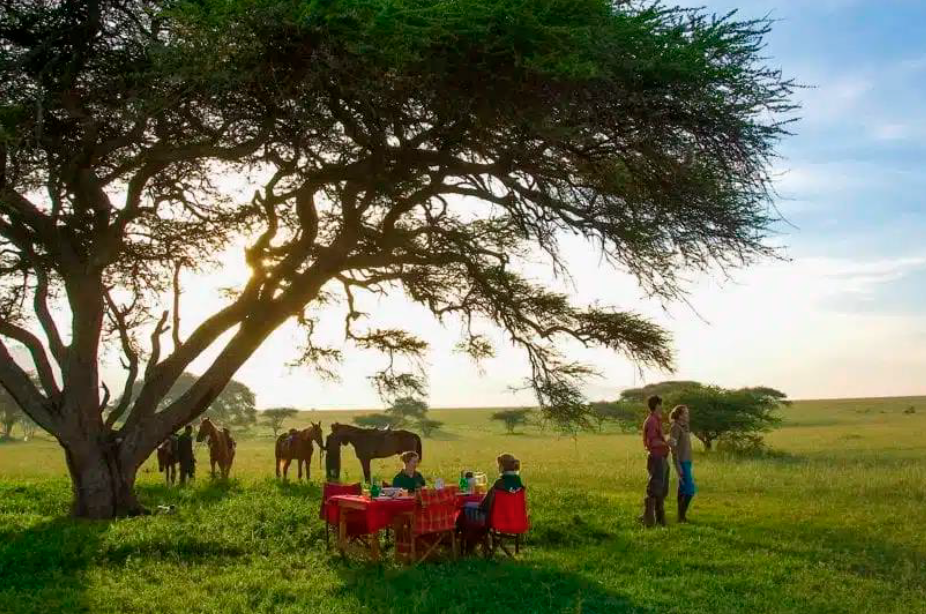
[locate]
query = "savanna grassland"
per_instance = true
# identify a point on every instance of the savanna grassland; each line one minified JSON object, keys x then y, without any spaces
{"x":832,"y":520}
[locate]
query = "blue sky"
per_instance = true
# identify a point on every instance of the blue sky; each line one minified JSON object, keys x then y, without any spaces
{"x":845,"y":316}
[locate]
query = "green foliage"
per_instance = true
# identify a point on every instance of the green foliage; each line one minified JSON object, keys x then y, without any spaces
{"x":403,"y":412}
{"x":236,"y":405}
{"x":275,"y":417}
{"x":627,"y":415}
{"x":10,"y":414}
{"x":374,"y":421}
{"x":661,"y":389}
{"x":512,"y":418}
{"x":739,"y":416}
{"x":428,"y":426}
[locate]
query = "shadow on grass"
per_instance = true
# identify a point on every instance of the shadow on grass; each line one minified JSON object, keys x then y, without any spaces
{"x":302,"y":489}
{"x":477,"y":585}
{"x":843,"y":550}
{"x":44,"y":567}
{"x":203,"y":492}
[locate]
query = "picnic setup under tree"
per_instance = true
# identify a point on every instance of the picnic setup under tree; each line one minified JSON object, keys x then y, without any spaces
{"x":423,"y":148}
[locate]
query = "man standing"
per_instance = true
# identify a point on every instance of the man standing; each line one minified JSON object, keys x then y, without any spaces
{"x":657,"y":465}
{"x":185,"y":454}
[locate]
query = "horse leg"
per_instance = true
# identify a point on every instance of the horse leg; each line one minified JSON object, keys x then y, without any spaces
{"x":286,"y":464}
{"x":299,"y":468}
{"x":212,"y":465}
{"x":277,"y":467}
{"x":308,"y":465}
{"x":365,"y":464}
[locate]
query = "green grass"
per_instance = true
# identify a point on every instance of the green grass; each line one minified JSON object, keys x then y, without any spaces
{"x":832,"y":521}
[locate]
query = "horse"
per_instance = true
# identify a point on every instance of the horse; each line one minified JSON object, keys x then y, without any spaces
{"x":168,"y":459}
{"x":221,"y":446}
{"x":298,"y":445}
{"x":372,"y":443}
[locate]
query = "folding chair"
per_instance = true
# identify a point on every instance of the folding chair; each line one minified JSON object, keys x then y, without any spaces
{"x":432,"y":524}
{"x":508,"y":520}
{"x":329,"y":513}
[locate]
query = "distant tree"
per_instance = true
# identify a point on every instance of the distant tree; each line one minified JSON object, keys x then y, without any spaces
{"x":405,"y":410}
{"x":28,"y":427}
{"x":428,"y":426}
{"x":374,"y":421}
{"x":10,"y":414}
{"x":601,"y":412}
{"x":627,"y":415}
{"x":275,"y":417}
{"x":741,"y":415}
{"x":662,"y":389}
{"x":512,"y":418}
{"x":235,"y":405}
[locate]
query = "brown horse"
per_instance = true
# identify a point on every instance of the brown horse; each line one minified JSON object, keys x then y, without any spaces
{"x":168,"y":459}
{"x":221,"y":446}
{"x":373,"y":443}
{"x":298,"y":445}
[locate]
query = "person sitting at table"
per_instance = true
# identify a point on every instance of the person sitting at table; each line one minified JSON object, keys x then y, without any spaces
{"x":475,"y":515}
{"x":509,"y":480}
{"x":409,"y":478}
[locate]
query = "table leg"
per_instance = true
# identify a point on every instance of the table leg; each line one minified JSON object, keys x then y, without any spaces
{"x":374,"y":546}
{"x":342,"y":531}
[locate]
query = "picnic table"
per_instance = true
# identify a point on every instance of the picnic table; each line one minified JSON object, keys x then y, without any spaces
{"x":378,"y":514}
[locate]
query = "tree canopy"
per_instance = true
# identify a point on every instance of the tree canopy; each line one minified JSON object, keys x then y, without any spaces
{"x":739,"y":416}
{"x":422,"y":147}
{"x":276,"y":416}
{"x":236,"y":404}
{"x":511,"y":418}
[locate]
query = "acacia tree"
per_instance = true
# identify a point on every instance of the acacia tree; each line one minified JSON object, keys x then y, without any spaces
{"x":413,"y":146}
{"x":275,"y":417}
{"x":734,"y":416}
{"x":511,"y":418}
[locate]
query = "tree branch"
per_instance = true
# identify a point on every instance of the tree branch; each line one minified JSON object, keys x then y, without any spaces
{"x":39,"y":357}
{"x":118,"y":319}
{"x":30,"y":400}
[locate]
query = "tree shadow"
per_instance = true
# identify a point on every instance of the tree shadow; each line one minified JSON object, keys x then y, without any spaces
{"x":201,"y":493}
{"x":838,"y":549}
{"x":479,"y":585}
{"x":44,"y":567}
{"x":304,"y":489}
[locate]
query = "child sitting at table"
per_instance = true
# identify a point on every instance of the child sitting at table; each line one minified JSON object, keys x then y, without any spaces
{"x":409,"y":478}
{"x":475,"y":516}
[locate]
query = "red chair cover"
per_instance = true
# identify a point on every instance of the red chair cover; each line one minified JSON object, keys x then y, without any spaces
{"x":437,"y":510}
{"x":329,"y":513}
{"x":509,"y":513}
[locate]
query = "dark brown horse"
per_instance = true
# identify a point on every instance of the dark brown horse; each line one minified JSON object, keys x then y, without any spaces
{"x":168,"y":459}
{"x":373,"y":443}
{"x":297,"y":445}
{"x":221,"y":446}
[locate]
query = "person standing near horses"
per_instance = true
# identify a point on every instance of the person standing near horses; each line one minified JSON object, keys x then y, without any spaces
{"x":657,"y":465}
{"x":409,"y":478}
{"x":185,"y":454}
{"x":680,"y":442}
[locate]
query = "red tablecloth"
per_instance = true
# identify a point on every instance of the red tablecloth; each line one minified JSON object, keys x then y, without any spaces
{"x":380,"y":513}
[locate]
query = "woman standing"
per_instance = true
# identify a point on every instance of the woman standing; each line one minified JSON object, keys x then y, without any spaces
{"x":680,"y":443}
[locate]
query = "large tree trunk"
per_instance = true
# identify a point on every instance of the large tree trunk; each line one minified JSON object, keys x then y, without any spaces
{"x":103,"y":485}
